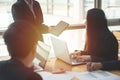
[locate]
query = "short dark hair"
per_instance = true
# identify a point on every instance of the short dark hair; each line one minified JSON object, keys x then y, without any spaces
{"x":20,"y":37}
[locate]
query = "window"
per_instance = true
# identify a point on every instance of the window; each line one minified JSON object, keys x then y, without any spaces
{"x":112,"y":11}
{"x":71,"y":11}
{"x":5,"y":13}
{"x":111,"y":8}
{"x":5,"y":20}
{"x":3,"y":48}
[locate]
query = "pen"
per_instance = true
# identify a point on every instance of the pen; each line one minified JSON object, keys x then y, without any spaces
{"x":58,"y":71}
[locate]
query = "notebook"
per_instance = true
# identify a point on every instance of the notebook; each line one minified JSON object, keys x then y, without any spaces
{"x":43,"y":51}
{"x":59,"y":28}
{"x":61,"y":51}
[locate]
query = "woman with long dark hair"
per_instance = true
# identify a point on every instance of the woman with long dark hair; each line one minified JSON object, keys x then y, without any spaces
{"x":101,"y":45}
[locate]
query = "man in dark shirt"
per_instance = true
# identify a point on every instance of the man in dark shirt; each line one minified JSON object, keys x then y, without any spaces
{"x":30,"y":11}
{"x":21,"y":43}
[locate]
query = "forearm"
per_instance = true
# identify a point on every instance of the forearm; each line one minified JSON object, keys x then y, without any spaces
{"x":111,"y":65}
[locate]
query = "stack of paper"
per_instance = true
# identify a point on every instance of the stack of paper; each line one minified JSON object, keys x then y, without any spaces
{"x":95,"y":75}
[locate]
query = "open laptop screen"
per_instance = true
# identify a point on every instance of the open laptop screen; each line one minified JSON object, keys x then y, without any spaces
{"x":43,"y":51}
{"x":60,"y":49}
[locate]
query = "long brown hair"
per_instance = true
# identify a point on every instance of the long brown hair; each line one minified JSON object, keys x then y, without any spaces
{"x":95,"y":28}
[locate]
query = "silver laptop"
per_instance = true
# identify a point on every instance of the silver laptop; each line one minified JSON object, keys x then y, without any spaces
{"x":43,"y":51}
{"x":59,"y":28}
{"x":61,"y":51}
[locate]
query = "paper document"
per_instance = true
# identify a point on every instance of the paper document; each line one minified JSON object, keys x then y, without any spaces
{"x":59,"y":28}
{"x":95,"y":75}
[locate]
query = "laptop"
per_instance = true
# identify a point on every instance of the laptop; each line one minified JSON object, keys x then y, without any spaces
{"x":59,"y":28}
{"x":42,"y":55}
{"x":61,"y":51}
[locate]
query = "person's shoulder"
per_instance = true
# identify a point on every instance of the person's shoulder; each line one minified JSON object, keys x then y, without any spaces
{"x":6,"y":63}
{"x":36,"y":2}
{"x":34,"y":76}
{"x":109,"y":35}
{"x":2,"y":63}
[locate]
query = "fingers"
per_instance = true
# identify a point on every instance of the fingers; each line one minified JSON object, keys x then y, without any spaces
{"x":84,"y":58}
{"x":80,"y":59}
{"x":74,"y":55}
{"x":92,"y":66}
{"x":77,"y":55}
{"x":89,"y":66}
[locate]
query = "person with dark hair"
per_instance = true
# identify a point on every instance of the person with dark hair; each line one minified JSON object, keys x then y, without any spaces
{"x":101,"y":45}
{"x":30,"y":11}
{"x":21,"y":42}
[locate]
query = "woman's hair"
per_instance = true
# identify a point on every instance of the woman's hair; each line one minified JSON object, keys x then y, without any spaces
{"x":96,"y":19}
{"x":96,"y":27}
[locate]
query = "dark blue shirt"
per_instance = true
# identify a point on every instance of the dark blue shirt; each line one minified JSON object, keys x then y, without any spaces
{"x":15,"y":70}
